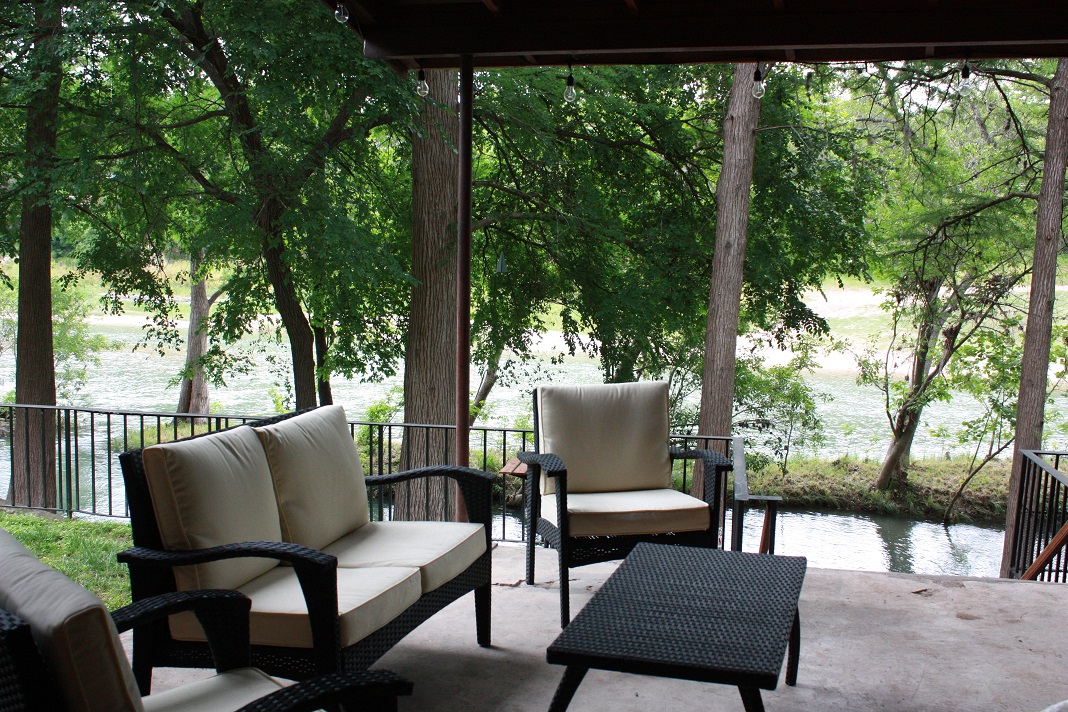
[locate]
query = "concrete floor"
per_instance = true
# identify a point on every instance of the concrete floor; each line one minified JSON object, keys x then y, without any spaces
{"x":869,"y":641}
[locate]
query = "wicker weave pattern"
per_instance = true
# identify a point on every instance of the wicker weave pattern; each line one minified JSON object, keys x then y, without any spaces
{"x":697,"y":614}
{"x":151,"y":574}
{"x":580,"y":551}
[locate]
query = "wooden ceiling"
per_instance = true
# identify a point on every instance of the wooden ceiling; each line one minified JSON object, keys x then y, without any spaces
{"x":498,"y":33}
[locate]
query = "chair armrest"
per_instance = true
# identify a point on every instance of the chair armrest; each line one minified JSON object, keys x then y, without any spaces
{"x":551,"y":464}
{"x":316,"y":573}
{"x":476,"y":487}
{"x":295,"y":554}
{"x":222,"y":614}
{"x":716,"y":463}
{"x":363,"y":690}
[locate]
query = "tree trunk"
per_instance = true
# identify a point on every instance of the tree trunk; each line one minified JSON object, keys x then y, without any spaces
{"x":430,"y":355}
{"x":894,"y":472}
{"x":1034,"y":367}
{"x":293,"y":317}
{"x":732,"y":224}
{"x":326,"y":395}
{"x":193,"y":392}
{"x":33,"y":477}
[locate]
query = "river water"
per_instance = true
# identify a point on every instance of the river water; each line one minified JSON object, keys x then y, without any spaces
{"x":853,"y":421}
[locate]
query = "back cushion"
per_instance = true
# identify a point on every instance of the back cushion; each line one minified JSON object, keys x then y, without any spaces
{"x":72,"y":629}
{"x":317,"y":476}
{"x":611,"y":437}
{"x":209,"y":491}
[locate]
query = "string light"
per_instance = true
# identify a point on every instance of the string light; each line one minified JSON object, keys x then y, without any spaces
{"x":967,"y":84}
{"x":341,"y":14}
{"x":422,"y":88}
{"x":569,"y":91}
{"x":758,"y":84}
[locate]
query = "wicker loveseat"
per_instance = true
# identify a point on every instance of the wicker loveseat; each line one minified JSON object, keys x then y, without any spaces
{"x":60,"y":652}
{"x":278,"y":510}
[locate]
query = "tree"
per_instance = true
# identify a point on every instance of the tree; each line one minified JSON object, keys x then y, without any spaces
{"x":33,"y":480}
{"x":1030,"y":409}
{"x":430,"y":347}
{"x":953,"y":246}
{"x":261,"y":125}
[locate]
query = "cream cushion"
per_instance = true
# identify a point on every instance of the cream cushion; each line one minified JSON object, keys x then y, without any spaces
{"x":367,"y":600}
{"x":440,"y":550}
{"x":611,"y":437}
{"x":210,"y":491}
{"x":317,"y":476}
{"x":637,"y":512}
{"x":224,"y":692}
{"x":72,"y":629}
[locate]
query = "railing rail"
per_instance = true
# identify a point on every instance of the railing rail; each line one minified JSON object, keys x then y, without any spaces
{"x":1037,"y":547}
{"x":85,"y":477}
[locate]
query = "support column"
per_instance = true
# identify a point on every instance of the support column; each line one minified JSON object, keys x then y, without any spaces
{"x":463,"y":266}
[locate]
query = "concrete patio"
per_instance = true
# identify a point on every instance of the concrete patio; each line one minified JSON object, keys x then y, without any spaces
{"x":869,"y":641}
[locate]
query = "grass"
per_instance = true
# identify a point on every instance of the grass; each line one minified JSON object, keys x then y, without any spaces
{"x":847,"y":484}
{"x":83,"y":550}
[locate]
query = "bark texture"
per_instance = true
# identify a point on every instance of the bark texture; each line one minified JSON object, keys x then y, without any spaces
{"x":1034,"y":368}
{"x":193,"y":390}
{"x":430,"y":356}
{"x":732,"y":225}
{"x":33,"y":481}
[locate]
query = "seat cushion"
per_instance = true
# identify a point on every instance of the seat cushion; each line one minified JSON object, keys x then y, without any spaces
{"x":317,"y":476}
{"x":440,"y":550}
{"x":611,"y":437}
{"x":639,"y":512}
{"x":225,"y":692}
{"x":368,"y":598}
{"x":72,"y":629}
{"x":210,"y":491}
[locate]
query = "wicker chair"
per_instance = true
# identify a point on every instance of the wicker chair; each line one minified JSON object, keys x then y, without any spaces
{"x":316,"y":522}
{"x":60,"y":652}
{"x":603,"y":459}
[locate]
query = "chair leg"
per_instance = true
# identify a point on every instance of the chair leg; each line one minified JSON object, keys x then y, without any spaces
{"x":142,"y":662}
{"x":530,"y":555}
{"x":565,"y":596}
{"x":483,"y":614}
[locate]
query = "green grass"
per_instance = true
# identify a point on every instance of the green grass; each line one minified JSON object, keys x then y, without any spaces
{"x":83,"y":550}
{"x":847,"y":484}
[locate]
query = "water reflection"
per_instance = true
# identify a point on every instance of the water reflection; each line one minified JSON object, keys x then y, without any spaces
{"x":868,"y":542}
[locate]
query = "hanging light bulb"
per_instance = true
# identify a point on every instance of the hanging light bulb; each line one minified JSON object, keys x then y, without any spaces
{"x":421,"y":86}
{"x":967,"y":84}
{"x":341,"y":14}
{"x":758,"y":84}
{"x":569,"y":92}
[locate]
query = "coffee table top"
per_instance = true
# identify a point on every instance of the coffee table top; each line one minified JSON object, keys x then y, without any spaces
{"x":698,"y":614}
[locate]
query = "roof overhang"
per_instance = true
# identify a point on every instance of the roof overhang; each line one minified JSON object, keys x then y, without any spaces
{"x":498,"y":33}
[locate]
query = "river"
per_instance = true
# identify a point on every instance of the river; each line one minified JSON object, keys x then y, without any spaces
{"x":853,"y":421}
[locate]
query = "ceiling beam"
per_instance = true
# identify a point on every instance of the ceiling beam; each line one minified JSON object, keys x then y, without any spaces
{"x":436,"y":33}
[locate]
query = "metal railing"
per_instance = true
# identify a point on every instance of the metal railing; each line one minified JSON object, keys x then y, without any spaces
{"x":86,"y":479}
{"x":1037,"y":551}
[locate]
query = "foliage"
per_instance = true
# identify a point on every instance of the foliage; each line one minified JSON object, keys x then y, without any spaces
{"x":775,"y":408}
{"x":75,"y":345}
{"x":989,"y":369}
{"x":955,"y":228}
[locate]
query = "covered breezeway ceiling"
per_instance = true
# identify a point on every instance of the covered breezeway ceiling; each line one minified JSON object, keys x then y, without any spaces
{"x":465,"y":34}
{"x":429,"y":34}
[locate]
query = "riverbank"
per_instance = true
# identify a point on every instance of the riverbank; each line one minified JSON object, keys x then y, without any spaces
{"x":847,"y":484}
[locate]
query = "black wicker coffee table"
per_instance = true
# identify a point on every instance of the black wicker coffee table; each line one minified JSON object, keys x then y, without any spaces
{"x":696,"y":614}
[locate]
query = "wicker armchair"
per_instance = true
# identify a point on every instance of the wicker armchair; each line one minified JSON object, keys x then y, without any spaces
{"x":603,"y":459}
{"x":60,"y":652}
{"x":290,"y":490}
